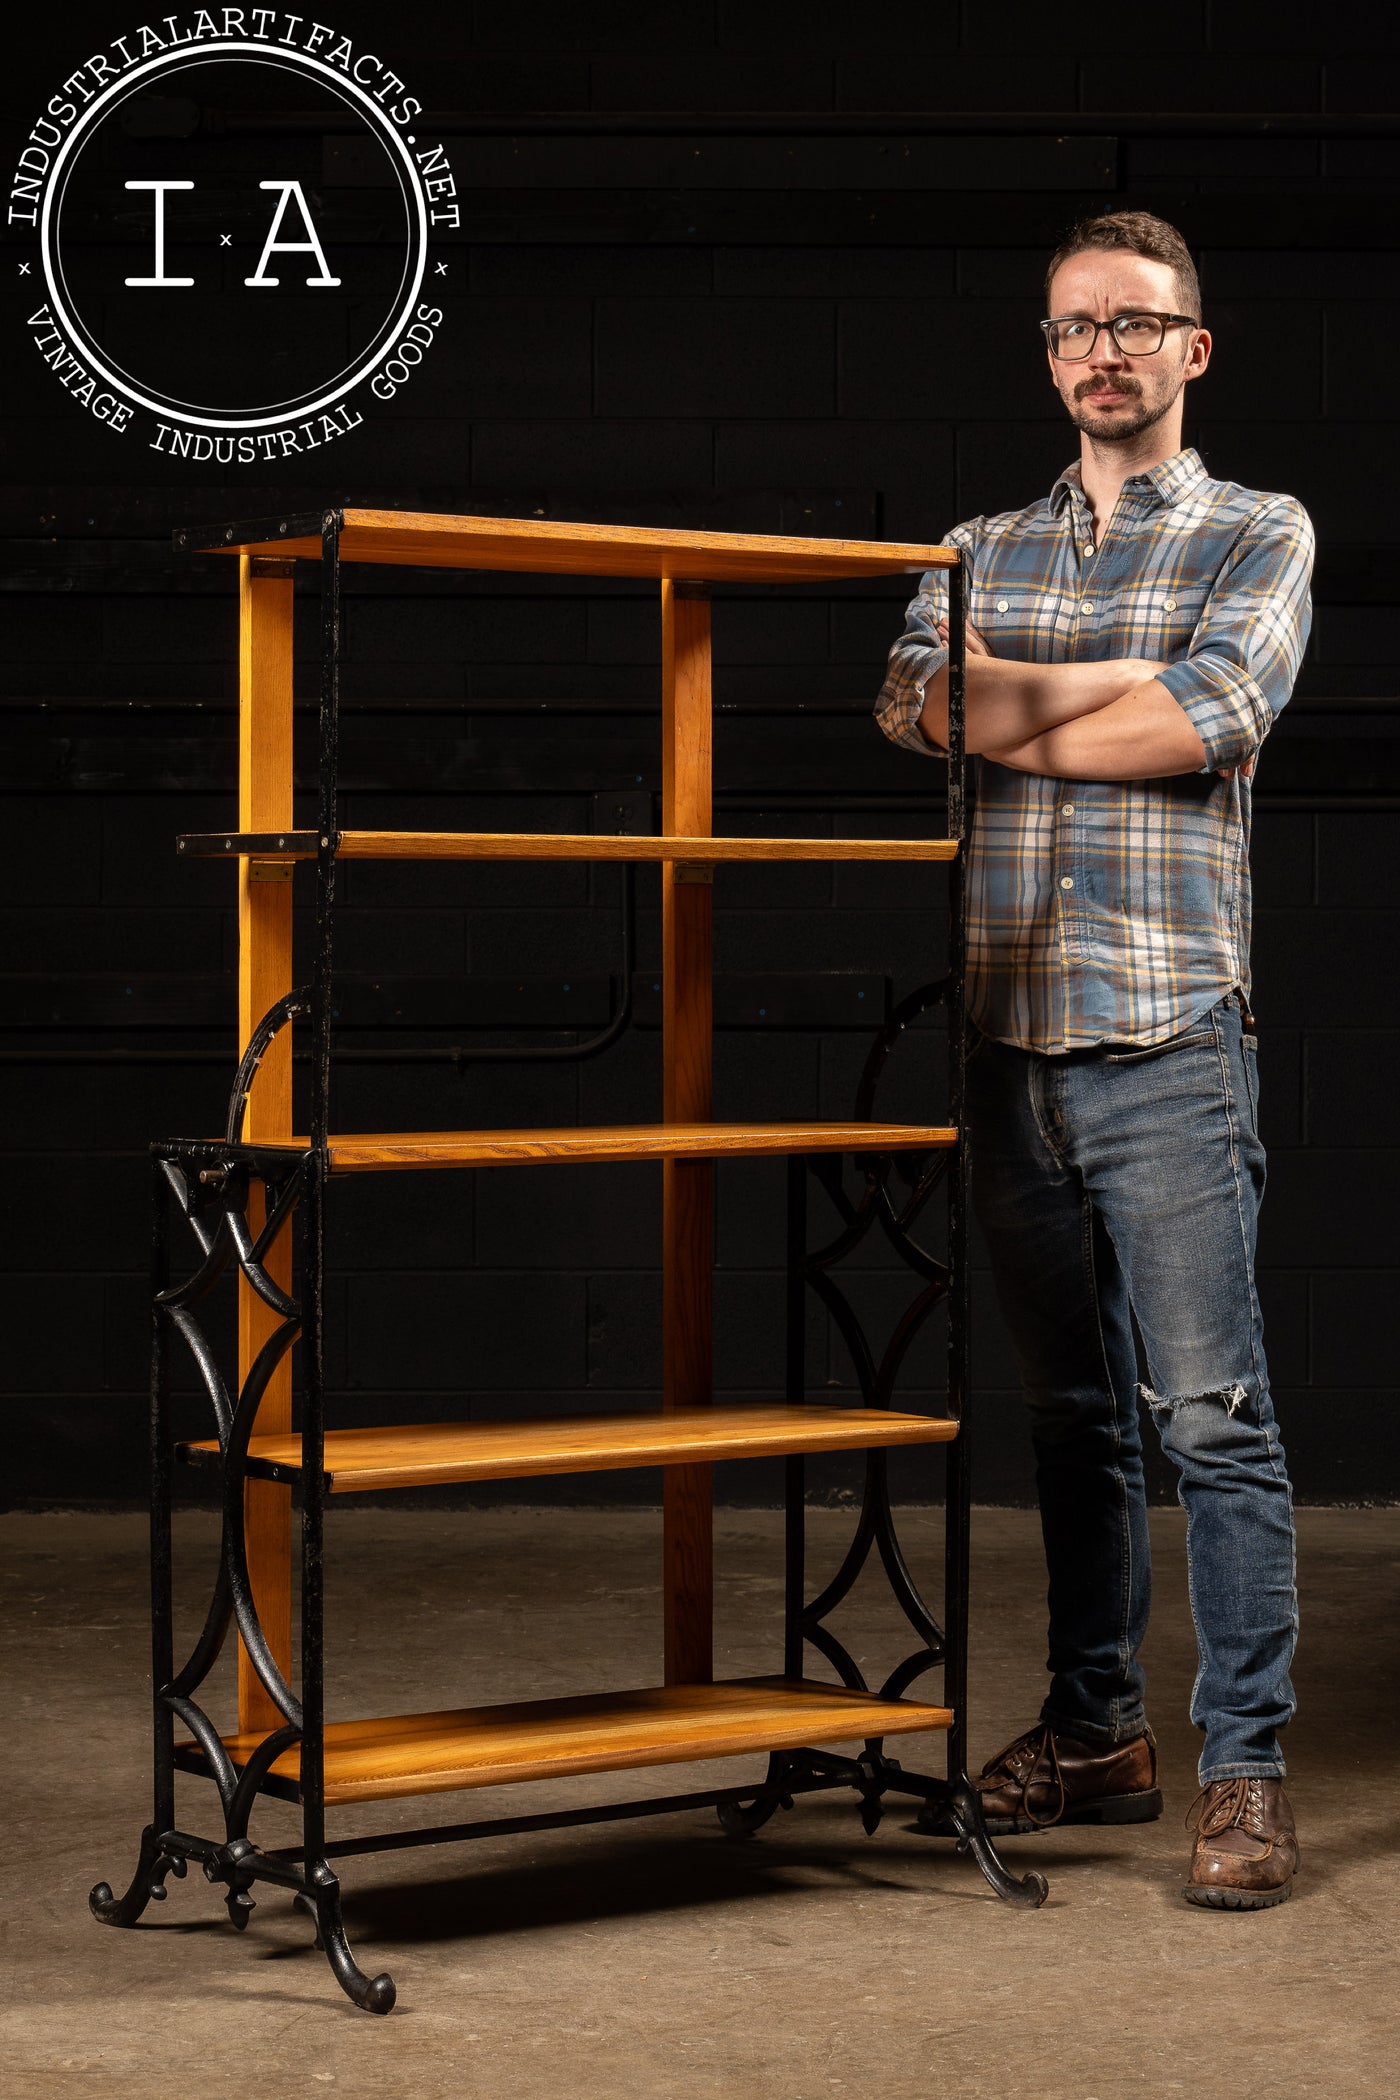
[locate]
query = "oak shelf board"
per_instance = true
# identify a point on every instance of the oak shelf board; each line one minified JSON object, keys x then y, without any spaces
{"x":362,"y":1152}
{"x":401,"y":1754}
{"x":420,"y":539}
{"x":530,"y":845}
{"x":370,"y":1152}
{"x":434,"y":1454}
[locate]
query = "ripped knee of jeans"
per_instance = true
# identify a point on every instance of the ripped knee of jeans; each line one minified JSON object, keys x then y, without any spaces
{"x":1231,"y":1398}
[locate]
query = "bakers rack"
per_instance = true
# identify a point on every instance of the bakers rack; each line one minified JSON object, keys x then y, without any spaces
{"x":240,"y":1195}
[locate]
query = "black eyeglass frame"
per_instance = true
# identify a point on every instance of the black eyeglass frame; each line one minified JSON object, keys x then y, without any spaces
{"x":1136,"y":313}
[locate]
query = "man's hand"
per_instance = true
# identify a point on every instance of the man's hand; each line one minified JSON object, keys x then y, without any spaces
{"x":976,"y":642}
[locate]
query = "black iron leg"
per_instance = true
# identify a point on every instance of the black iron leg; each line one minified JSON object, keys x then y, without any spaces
{"x":147,"y":1883}
{"x":742,"y":1818}
{"x":963,"y":1819}
{"x":374,"y":1994}
{"x":154,"y":1862}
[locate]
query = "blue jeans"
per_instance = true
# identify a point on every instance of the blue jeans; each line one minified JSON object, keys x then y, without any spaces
{"x":1121,"y":1184}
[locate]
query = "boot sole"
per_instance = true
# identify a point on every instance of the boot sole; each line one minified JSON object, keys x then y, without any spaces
{"x":1112,"y":1808}
{"x":1237,"y":1899}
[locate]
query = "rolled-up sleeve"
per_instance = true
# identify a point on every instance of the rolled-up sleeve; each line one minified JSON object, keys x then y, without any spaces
{"x":1245,"y":655}
{"x":916,"y":657}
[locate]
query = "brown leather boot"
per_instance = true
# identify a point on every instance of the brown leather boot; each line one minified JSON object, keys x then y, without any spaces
{"x":1246,"y":1852}
{"x":1047,"y":1777}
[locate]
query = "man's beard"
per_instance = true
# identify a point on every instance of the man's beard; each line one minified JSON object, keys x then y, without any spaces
{"x":1110,"y":430}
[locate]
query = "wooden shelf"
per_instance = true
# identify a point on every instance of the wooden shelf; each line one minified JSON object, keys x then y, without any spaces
{"x":549,"y":1738}
{"x":418,"y":539}
{"x":531,"y":845}
{"x":432,"y":1454}
{"x":366,"y":1152}
{"x":370,"y":1152}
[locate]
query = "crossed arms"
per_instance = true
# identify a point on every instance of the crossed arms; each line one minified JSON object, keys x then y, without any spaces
{"x":1130,"y":718}
{"x":1086,"y":721}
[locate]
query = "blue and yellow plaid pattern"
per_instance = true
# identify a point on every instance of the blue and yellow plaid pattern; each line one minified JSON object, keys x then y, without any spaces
{"x":1119,"y":911}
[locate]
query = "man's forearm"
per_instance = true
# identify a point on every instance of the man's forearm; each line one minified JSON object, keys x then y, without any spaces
{"x":1144,"y":735}
{"x":1010,"y":704}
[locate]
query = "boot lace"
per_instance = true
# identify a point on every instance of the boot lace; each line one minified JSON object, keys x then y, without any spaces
{"x":1228,"y":1804}
{"x":1021,"y":1761}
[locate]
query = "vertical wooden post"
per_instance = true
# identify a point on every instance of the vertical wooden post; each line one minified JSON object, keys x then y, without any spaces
{"x":688,"y":1219}
{"x":264,"y":976}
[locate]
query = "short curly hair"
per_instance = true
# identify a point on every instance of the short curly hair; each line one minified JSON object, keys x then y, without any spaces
{"x":1140,"y":233}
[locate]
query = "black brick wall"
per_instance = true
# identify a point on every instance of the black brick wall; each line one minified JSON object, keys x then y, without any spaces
{"x":845,"y":347}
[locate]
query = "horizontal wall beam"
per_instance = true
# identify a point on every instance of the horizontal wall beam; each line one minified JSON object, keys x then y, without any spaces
{"x":124,"y":563}
{"x":768,"y":754}
{"x":1294,"y":213}
{"x":822,"y":999}
{"x":450,"y":125}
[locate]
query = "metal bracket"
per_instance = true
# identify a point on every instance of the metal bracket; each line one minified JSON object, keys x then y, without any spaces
{"x":692,"y":871}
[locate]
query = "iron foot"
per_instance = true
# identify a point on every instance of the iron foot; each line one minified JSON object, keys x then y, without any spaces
{"x":147,"y":1883}
{"x":228,"y":1866}
{"x":741,"y":1819}
{"x":871,"y":1811}
{"x":744,"y":1819}
{"x":963,"y":1813}
{"x":374,"y":1994}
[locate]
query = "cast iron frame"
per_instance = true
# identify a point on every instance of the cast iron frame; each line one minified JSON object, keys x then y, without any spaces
{"x":210,"y":1184}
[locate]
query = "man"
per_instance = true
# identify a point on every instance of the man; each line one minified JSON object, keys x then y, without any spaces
{"x":1132,"y":639}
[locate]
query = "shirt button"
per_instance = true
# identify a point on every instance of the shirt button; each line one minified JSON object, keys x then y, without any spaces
{"x":1088,"y":546}
{"x":1068,"y":810}
{"x":1003,"y":605}
{"x":1086,"y":605}
{"x":1169,"y":605}
{"x":1066,"y":882}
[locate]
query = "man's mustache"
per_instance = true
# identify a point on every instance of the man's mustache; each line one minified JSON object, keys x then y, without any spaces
{"x":1126,"y":386}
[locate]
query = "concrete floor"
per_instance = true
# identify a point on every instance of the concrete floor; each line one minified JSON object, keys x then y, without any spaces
{"x":662,"y":1958}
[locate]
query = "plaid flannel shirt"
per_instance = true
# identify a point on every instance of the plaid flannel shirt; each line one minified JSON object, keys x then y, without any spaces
{"x":1119,"y":911}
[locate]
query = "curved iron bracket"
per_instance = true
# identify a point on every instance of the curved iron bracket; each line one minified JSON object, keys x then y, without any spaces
{"x":876,"y":1373}
{"x":908,"y":1009}
{"x":295,"y":1005}
{"x":224,"y":1244}
{"x":235,"y":1452}
{"x":209,"y":1646}
{"x":209,"y":1740}
{"x":239,"y":1805}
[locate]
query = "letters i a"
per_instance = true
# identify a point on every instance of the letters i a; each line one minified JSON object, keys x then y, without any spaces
{"x":271,"y":246}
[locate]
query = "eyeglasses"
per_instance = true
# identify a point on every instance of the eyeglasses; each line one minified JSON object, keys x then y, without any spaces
{"x":1137,"y":335}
